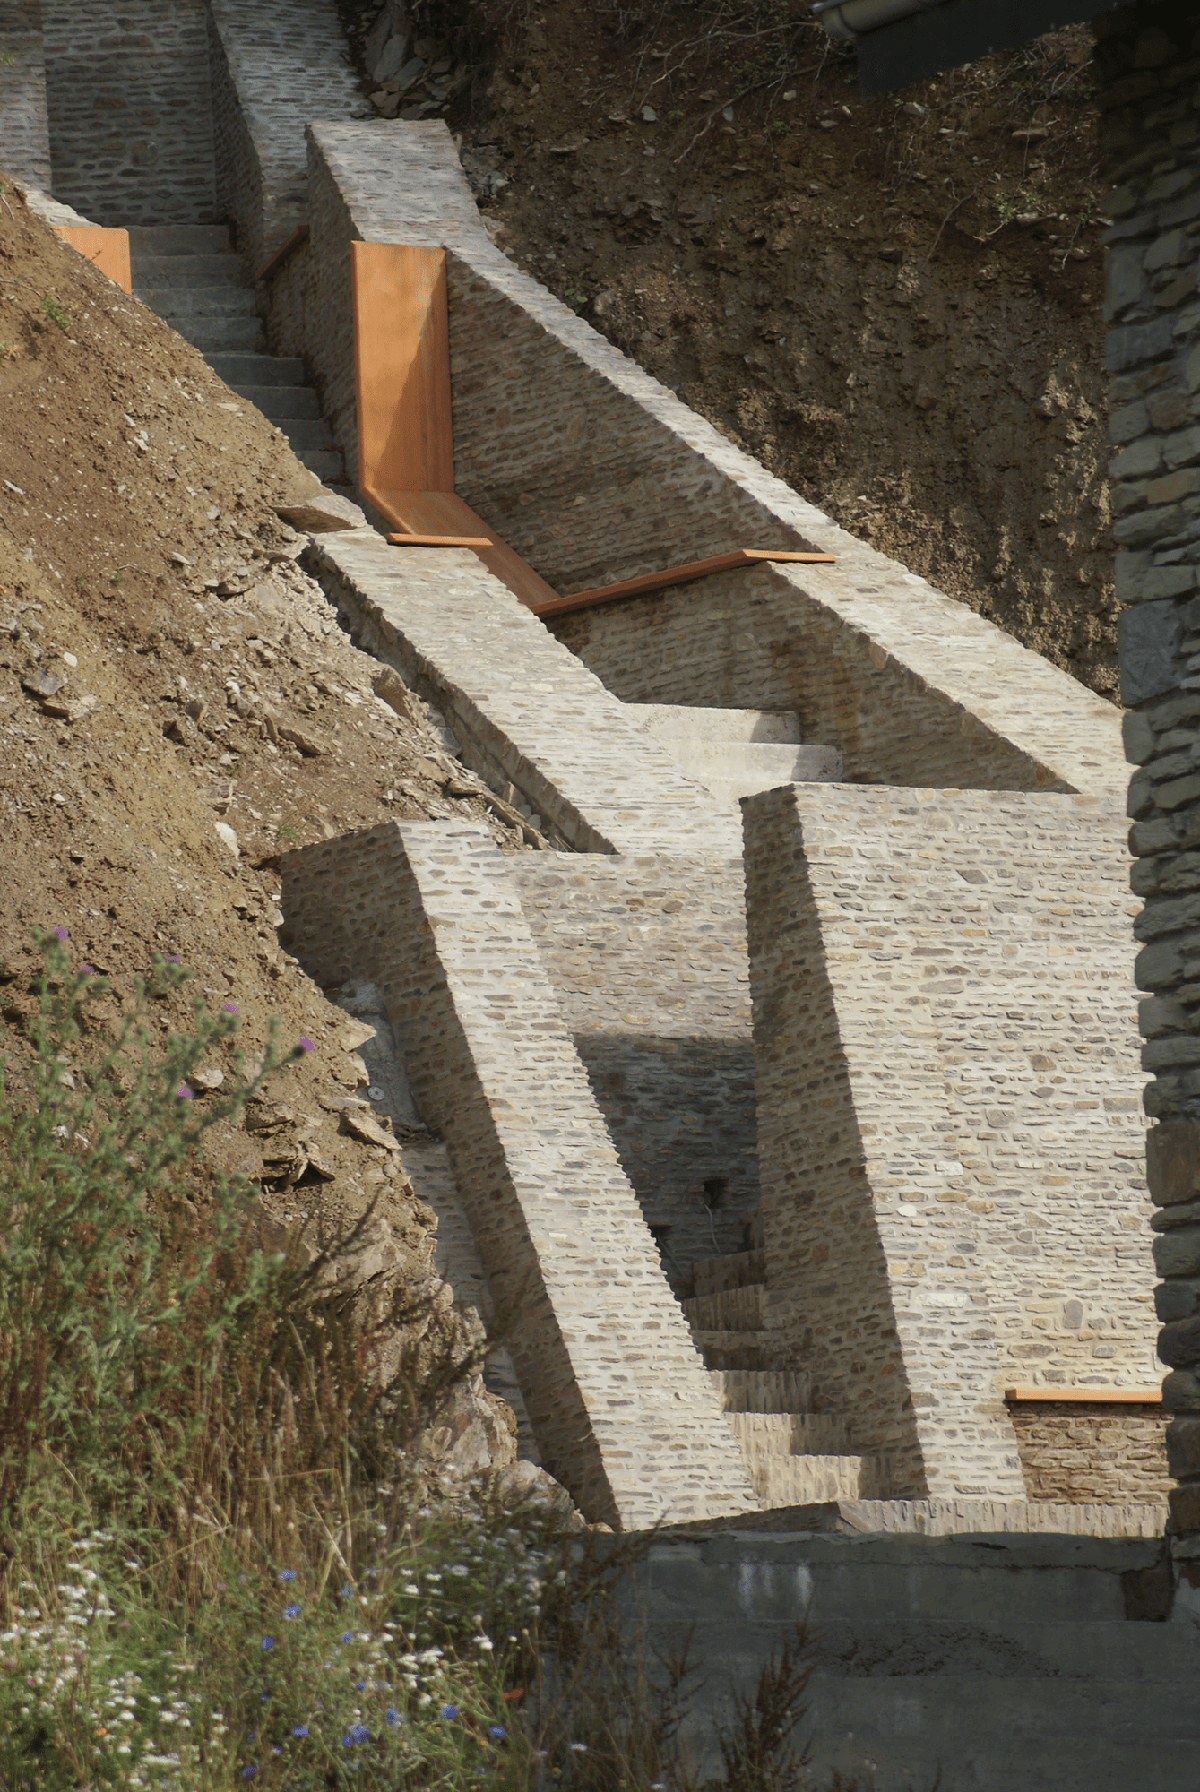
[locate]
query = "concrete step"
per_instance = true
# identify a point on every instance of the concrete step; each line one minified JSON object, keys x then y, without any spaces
{"x":763,"y":1434}
{"x":731,"y":1310}
{"x":1113,"y":1650}
{"x":963,"y":1763}
{"x":821,"y":767}
{"x":245,"y":373}
{"x":735,"y":1270}
{"x":672,"y":721}
{"x":806,"y":1480}
{"x":178,"y":239}
{"x":173,"y":302}
{"x":761,"y":1390}
{"x":190,"y":270}
{"x":282,"y":404}
{"x":328,"y":466}
{"x":754,"y":761}
{"x":305,"y":433}
{"x":733,"y":1351}
{"x":220,"y":333}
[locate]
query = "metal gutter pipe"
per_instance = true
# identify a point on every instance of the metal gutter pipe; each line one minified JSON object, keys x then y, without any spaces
{"x":848,"y":19}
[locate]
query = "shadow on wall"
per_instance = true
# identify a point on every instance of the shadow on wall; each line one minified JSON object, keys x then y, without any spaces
{"x":681,"y":1114}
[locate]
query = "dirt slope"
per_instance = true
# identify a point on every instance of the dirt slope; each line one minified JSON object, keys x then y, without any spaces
{"x":894,"y":304}
{"x":178,"y":703}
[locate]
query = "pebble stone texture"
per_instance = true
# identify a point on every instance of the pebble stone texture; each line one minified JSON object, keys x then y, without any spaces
{"x":595,"y":472}
{"x":276,"y":65}
{"x":130,"y":110}
{"x":524,"y":708}
{"x":622,"y":1408}
{"x":1148,"y":59}
{"x":949,"y":1123}
{"x":24,"y":122}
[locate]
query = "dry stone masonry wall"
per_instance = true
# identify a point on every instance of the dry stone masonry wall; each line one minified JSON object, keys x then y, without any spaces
{"x":130,"y":110}
{"x":948,"y":1121}
{"x":26,"y":150}
{"x":624,"y":1413}
{"x":1149,"y":63}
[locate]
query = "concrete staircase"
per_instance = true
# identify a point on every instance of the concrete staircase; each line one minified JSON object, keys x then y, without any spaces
{"x":198,"y":284}
{"x":738,"y":752}
{"x":796,"y":1457}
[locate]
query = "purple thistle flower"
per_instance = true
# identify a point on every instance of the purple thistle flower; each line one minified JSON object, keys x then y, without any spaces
{"x":228,"y":1008}
{"x":268,"y":1643}
{"x":183,"y":1093}
{"x":60,"y":933}
{"x":172,"y":958}
{"x":87,"y":970}
{"x":306,"y":1044}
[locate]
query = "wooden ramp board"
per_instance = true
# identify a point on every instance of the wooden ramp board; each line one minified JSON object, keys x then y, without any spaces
{"x":1086,"y":1396}
{"x":402,"y":368}
{"x":107,"y":249}
{"x":678,"y":575}
{"x":444,"y":516}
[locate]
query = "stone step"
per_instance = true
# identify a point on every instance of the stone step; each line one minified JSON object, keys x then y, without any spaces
{"x":308,"y":434}
{"x":763,"y":1434}
{"x":735,"y":1270}
{"x":178,"y":239}
{"x":219,"y":333}
{"x":807,"y":1480}
{"x":764,"y":765}
{"x":1114,"y":1650}
{"x":728,"y":792}
{"x":731,"y":1310}
{"x":740,"y":1351}
{"x":205,"y":302}
{"x":189,"y":270}
{"x":327,"y":464}
{"x":761,"y":1390}
{"x":282,"y":404}
{"x":670,"y":721}
{"x":245,"y":373}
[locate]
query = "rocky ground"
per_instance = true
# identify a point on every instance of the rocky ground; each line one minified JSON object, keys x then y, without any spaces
{"x":894,"y":303}
{"x":178,"y":705}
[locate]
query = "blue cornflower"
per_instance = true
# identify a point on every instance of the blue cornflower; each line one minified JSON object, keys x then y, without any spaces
{"x":249,"y":1770}
{"x":268,"y":1642}
{"x":497,"y":1730}
{"x":299,"y":1729}
{"x":291,"y":1611}
{"x":391,"y":1715}
{"x":347,"y":1592}
{"x":360,"y":1685}
{"x":449,"y":1711}
{"x":347,"y":1636}
{"x":358,"y":1733}
{"x":287,"y":1574}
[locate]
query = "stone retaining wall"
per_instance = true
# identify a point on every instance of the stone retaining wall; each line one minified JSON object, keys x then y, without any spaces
{"x":24,"y":125}
{"x":130,"y":110}
{"x":949,"y":1125}
{"x":1148,"y":59}
{"x":647,"y":957}
{"x":1081,"y":1453}
{"x":623,"y":1411}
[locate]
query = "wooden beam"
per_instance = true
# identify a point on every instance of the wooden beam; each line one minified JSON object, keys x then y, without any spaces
{"x":402,"y":368}
{"x":274,"y":262}
{"x":1086,"y":1396}
{"x":106,"y":249}
{"x":444,"y":515}
{"x":440,"y":541}
{"x":678,"y":575}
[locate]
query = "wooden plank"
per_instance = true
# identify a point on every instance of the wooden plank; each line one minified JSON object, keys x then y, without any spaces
{"x":402,"y":368}
{"x":106,"y":249}
{"x":439,"y":541}
{"x":1087,"y":1396}
{"x":441,"y":513}
{"x":679,"y":575}
{"x":274,"y":262}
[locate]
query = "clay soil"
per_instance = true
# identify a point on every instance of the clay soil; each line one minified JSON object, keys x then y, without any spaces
{"x":178,"y":706}
{"x":894,"y":303}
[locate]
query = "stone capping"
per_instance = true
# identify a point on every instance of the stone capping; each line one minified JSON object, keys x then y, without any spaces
{"x":973,"y":1518}
{"x":623,"y":1410}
